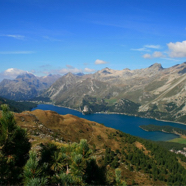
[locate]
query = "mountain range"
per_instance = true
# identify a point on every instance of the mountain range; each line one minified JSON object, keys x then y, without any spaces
{"x":25,"y":86}
{"x":154,"y":92}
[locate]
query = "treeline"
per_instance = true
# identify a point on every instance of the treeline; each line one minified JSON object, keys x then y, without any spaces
{"x":77,"y":164}
{"x":40,"y":99}
{"x":171,"y":145}
{"x":153,"y":159}
{"x":66,"y":164}
{"x":167,"y":129}
{"x":71,"y":164}
{"x":100,"y":105}
{"x":14,"y":149}
{"x":16,"y":106}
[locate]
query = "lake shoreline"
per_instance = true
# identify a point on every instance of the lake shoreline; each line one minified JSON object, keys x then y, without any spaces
{"x":47,"y":103}
{"x":119,"y":121}
{"x":162,"y":130}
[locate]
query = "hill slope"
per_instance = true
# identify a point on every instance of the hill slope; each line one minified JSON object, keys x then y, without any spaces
{"x":142,"y":162}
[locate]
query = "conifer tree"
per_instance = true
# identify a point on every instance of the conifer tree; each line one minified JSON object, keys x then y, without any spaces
{"x":14,"y":148}
{"x":118,"y":177}
{"x":33,"y":173}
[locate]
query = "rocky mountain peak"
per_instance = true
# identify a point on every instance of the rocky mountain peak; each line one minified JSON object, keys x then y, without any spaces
{"x":156,"y":66}
{"x":126,"y":69}
{"x":26,"y":75}
{"x":106,"y":71}
{"x":80,"y":74}
{"x":25,"y":86}
{"x":69,"y":74}
{"x":106,"y":68}
{"x":69,"y":78}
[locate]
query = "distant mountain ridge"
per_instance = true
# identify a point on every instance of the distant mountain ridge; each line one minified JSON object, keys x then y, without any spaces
{"x":25,"y":86}
{"x":155,"y":92}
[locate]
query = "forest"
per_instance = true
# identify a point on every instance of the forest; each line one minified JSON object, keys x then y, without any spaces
{"x":75,"y":163}
{"x":167,"y":129}
{"x":16,"y":106}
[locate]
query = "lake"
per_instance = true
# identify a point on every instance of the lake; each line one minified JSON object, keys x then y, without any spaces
{"x":127,"y":124}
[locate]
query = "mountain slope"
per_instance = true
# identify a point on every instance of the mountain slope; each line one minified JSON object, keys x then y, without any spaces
{"x":70,"y":90}
{"x":141,"y":162}
{"x":157,"y":92}
{"x":25,"y":86}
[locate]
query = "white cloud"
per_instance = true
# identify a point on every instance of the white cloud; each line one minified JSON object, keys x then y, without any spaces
{"x":157,"y":54}
{"x":147,"y":56}
{"x":13,"y":36}
{"x":99,"y":62}
{"x":89,"y":70}
{"x":65,"y":70}
{"x":11,"y":73}
{"x":69,"y":69}
{"x":141,"y":49}
{"x":170,"y":59}
{"x":177,"y":49}
{"x":16,"y":52}
{"x":69,"y":66}
{"x":152,"y":46}
{"x":146,"y":48}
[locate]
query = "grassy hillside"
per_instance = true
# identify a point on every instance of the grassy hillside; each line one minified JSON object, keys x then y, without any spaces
{"x":181,"y":140}
{"x":141,"y":161}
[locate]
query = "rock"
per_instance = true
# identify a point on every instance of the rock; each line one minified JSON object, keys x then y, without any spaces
{"x":86,"y":110}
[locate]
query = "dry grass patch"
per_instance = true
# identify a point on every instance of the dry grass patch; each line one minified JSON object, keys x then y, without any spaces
{"x":142,"y":147}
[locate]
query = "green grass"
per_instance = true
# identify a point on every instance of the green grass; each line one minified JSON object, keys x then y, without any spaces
{"x":179,"y":140}
{"x":154,"y":85}
{"x":111,"y":101}
{"x":133,"y":96}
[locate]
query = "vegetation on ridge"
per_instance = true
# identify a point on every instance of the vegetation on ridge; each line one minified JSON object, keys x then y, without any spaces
{"x":17,"y":106}
{"x":59,"y":155}
{"x":140,"y":161}
{"x":14,"y":148}
{"x":167,"y":129}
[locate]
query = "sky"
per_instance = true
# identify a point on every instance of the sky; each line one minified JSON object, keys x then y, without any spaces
{"x":60,"y":36}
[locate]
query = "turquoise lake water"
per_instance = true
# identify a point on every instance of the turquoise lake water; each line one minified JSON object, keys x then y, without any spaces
{"x":127,"y":124}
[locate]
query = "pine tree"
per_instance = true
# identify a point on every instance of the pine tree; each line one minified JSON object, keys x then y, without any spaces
{"x":118,"y":177}
{"x":33,"y":173}
{"x":14,"y":148}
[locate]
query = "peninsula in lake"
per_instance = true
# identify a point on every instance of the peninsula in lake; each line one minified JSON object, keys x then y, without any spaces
{"x":166,"y":129}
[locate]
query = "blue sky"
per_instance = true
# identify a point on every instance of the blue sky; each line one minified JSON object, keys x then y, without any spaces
{"x":57,"y":36}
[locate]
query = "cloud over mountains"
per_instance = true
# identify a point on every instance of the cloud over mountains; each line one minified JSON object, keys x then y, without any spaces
{"x":177,"y":49}
{"x":99,"y":62}
{"x":11,"y":73}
